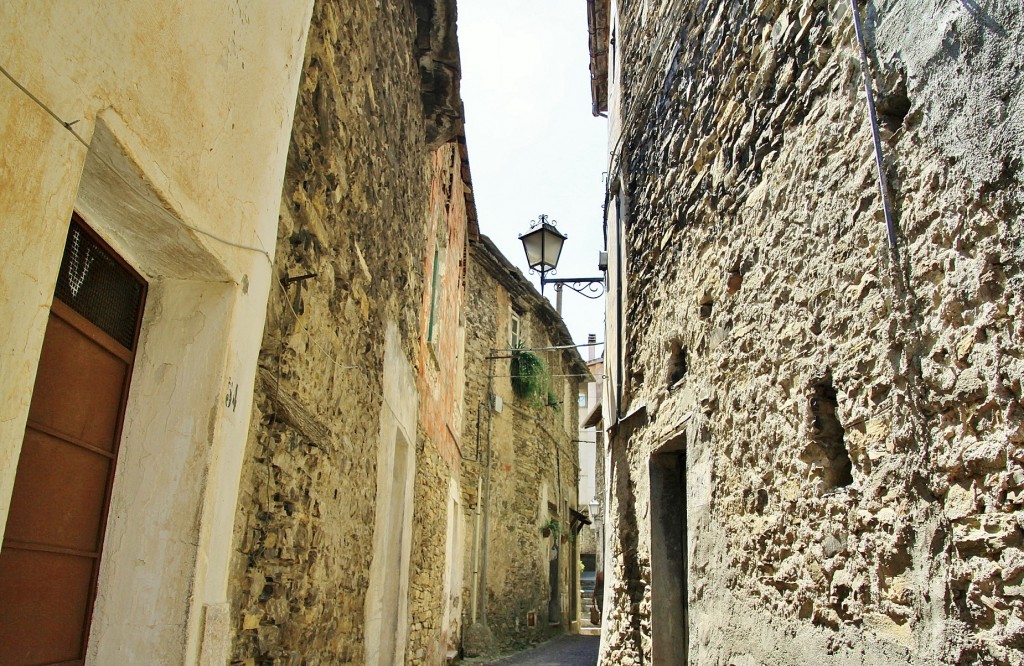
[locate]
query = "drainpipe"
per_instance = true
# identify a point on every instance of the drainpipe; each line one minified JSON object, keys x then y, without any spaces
{"x":883,"y":186}
{"x":620,"y":228}
{"x":485,"y":540}
{"x":476,"y":549}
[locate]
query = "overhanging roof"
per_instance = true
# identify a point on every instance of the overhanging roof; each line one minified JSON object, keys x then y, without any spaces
{"x":523,"y":292}
{"x":597,"y":21}
{"x":473,"y":226}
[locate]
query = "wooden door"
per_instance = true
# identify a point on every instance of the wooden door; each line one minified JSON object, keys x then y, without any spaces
{"x":54,"y":537}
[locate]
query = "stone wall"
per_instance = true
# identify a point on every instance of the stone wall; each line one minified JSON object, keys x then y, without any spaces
{"x":533,"y":458}
{"x":852,"y":421}
{"x":354,"y":212}
{"x":435,"y":604}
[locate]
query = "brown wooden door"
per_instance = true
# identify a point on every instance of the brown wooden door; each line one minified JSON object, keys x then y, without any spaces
{"x":54,"y":537}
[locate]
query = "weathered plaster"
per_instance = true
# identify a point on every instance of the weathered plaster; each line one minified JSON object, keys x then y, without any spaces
{"x":148,"y":173}
{"x":392,"y":532}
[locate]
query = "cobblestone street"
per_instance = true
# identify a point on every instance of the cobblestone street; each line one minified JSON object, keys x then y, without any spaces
{"x":562,"y":651}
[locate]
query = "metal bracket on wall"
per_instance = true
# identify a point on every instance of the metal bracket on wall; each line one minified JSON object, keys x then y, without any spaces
{"x":289,"y":279}
{"x":592,"y":288}
{"x":883,"y":186}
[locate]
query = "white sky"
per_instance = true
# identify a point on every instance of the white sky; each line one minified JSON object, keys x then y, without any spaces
{"x":534,"y":145}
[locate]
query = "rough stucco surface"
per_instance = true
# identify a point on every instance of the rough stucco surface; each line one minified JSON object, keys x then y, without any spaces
{"x":172,"y":140}
{"x":435,"y":603}
{"x":533,"y":456}
{"x":356,"y":191}
{"x":891,"y":532}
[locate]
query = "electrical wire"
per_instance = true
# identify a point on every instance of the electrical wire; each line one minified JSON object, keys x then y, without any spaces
{"x":261,"y":251}
{"x":883,"y":186}
{"x":327,"y":354}
{"x":68,"y":126}
{"x":555,"y":348}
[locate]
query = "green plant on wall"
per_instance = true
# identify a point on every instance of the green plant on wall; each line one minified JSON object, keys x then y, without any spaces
{"x":551,"y":528}
{"x":529,"y":375}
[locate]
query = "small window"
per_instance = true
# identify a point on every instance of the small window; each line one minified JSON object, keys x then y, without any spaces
{"x":515,"y":335}
{"x":583,"y":399}
{"x":433,"y":330}
{"x":611,"y":60}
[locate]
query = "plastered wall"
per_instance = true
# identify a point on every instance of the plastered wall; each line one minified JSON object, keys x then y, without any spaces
{"x":179,"y":170}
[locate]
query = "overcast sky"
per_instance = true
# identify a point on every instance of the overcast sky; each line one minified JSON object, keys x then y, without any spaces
{"x":534,"y":145}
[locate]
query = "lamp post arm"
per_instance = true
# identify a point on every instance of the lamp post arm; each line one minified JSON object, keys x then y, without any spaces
{"x":573,"y":280}
{"x":591,"y":288}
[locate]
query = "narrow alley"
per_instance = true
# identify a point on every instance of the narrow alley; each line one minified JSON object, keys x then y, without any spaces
{"x":522,"y":332}
{"x":561,"y":651}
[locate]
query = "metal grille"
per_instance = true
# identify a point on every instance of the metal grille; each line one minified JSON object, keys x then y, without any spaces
{"x":96,"y":286}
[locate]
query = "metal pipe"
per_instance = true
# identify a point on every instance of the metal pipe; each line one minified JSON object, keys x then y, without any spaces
{"x":883,"y":186}
{"x":476,"y":550}
{"x":486,"y":498}
{"x":620,"y":229}
{"x":479,"y":407}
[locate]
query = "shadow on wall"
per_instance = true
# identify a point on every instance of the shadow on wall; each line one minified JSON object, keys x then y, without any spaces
{"x":983,"y":17}
{"x":631,"y":581}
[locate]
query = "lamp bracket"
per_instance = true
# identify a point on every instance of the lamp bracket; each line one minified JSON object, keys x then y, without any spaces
{"x":592,"y":288}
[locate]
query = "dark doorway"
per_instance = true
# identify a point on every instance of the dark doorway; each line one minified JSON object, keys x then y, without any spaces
{"x":554,"y":605}
{"x":669,"y":621}
{"x":54,"y":537}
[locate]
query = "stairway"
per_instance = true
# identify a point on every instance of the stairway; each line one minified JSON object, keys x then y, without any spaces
{"x":587,"y":598}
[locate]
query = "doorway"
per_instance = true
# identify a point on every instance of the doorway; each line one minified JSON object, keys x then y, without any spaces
{"x":554,"y":603}
{"x":669,"y":618}
{"x":52,"y":545}
{"x":391,"y":650}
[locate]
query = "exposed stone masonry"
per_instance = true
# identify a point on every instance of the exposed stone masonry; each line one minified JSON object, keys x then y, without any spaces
{"x":855,"y":470}
{"x":438,"y":50}
{"x":534,"y":458}
{"x":436,"y":612}
{"x":358,"y":172}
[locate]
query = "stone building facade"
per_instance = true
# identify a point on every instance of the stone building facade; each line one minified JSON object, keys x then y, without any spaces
{"x":592,"y":457}
{"x":349,"y":515}
{"x":815,"y":433}
{"x":522,"y":469}
{"x":439,"y":522}
{"x":290,"y":452}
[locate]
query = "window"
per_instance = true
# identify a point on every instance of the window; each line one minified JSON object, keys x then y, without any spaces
{"x":611,"y":60}
{"x":433,"y":330}
{"x":583,"y":399}
{"x":515,"y":331}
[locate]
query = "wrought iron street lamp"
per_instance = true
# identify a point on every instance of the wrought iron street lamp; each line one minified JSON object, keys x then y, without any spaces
{"x":543,"y":247}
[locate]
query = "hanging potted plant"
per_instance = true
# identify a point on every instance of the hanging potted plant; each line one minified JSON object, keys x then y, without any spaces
{"x":529,"y":376}
{"x":551,"y":527}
